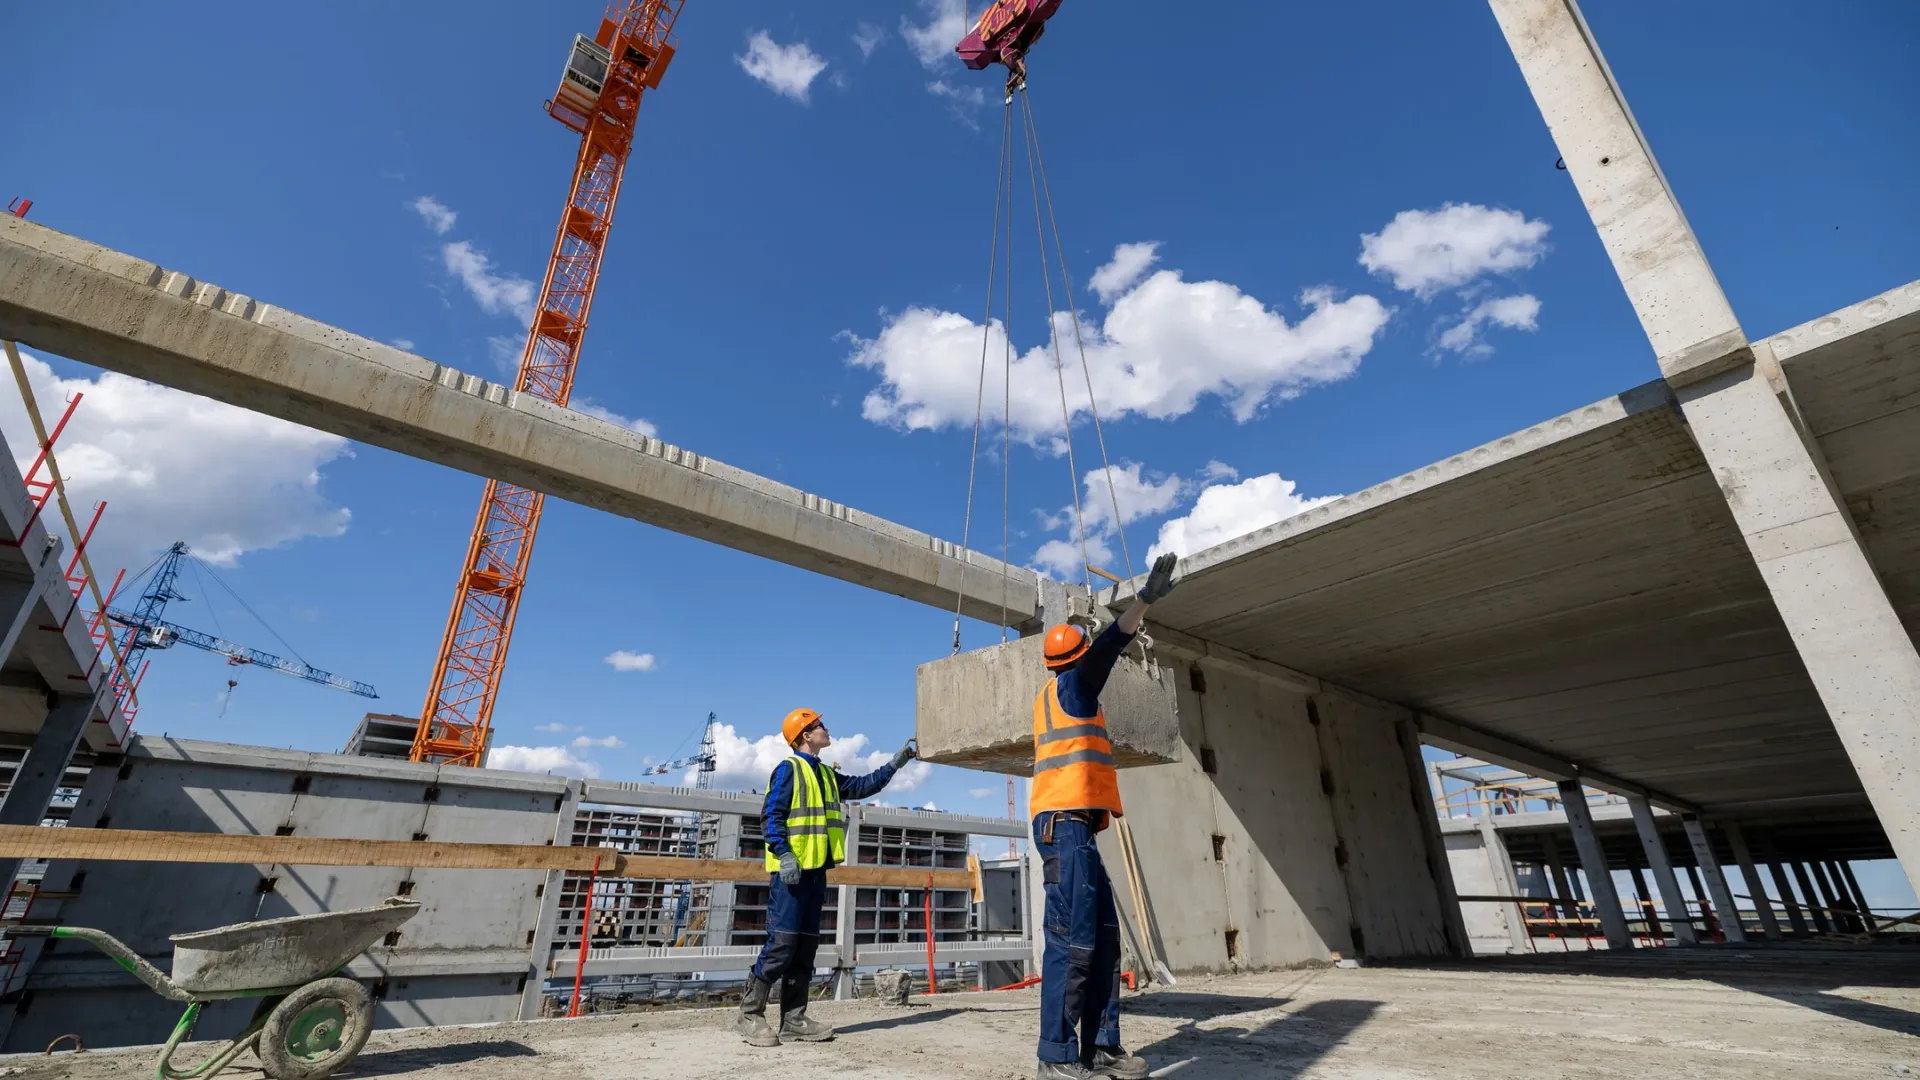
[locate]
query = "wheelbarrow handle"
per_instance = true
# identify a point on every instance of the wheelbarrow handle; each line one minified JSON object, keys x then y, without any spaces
{"x":134,"y":964}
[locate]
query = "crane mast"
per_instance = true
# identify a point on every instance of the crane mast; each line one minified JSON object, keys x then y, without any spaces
{"x":599,"y":97}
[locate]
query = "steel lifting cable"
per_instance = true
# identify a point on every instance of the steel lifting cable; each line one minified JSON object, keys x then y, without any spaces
{"x":980,"y":395}
{"x":1059,"y":364}
{"x":1093,"y":405}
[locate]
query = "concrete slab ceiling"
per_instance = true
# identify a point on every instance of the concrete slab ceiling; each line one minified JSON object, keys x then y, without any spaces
{"x":1580,"y":588}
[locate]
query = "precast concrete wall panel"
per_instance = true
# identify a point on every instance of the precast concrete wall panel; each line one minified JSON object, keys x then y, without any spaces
{"x":463,"y":959}
{"x":1283,"y":885}
{"x":1473,"y":875}
{"x":1240,"y":842}
{"x":1396,"y":903}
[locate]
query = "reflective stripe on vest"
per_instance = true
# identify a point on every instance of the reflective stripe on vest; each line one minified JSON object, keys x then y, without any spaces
{"x":1072,"y":758}
{"x":816,"y":823}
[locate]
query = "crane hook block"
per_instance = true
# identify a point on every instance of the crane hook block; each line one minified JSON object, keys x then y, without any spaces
{"x":1005,"y":31}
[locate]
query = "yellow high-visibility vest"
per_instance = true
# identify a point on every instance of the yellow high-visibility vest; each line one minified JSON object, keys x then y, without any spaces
{"x":816,"y":828}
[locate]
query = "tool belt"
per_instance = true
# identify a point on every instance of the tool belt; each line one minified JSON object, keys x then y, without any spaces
{"x":1092,"y":819}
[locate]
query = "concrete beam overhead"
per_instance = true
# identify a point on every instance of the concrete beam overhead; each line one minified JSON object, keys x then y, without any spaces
{"x":84,"y":301}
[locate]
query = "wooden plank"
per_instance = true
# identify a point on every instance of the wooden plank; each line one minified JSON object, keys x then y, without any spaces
{"x":141,"y":845}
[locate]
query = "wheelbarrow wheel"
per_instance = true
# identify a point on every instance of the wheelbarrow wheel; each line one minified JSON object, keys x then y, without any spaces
{"x":317,"y":1030}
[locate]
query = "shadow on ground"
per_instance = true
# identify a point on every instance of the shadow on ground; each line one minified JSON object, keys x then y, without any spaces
{"x":918,"y":1016}
{"x":1279,"y":1049}
{"x":1796,"y":973}
{"x":392,"y":1062}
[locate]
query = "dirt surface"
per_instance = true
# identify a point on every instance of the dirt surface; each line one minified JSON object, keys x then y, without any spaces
{"x":1716,"y":1013}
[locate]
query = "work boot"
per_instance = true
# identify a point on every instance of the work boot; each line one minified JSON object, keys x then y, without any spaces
{"x":1117,"y":1063}
{"x":1064,"y":1070}
{"x":752,"y":1021}
{"x":795,"y":1025}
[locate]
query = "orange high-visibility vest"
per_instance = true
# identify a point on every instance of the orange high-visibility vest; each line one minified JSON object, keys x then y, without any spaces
{"x":1072,"y":758}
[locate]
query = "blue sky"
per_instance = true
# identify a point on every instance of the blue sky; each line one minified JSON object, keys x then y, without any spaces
{"x":777,"y":236}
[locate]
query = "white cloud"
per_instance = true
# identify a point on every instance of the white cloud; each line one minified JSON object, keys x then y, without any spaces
{"x":1215,"y":471}
{"x":1129,"y":264}
{"x":929,"y":805}
{"x":1513,"y":312}
{"x":541,"y":759}
{"x":172,"y":466}
{"x":1164,"y":343}
{"x":609,"y":742}
{"x":622,"y":660}
{"x":787,"y":70}
{"x":402,"y":343}
{"x":1138,"y":494}
{"x":1225,"y":511}
{"x":739,"y":762}
{"x":1427,"y":251}
{"x":868,"y":38}
{"x":933,"y":42}
{"x":961,"y":99}
{"x":591,"y":408}
{"x":504,"y":350}
{"x":497,"y":294}
{"x":554,"y":728}
{"x":980,"y":792}
{"x":436,"y":214}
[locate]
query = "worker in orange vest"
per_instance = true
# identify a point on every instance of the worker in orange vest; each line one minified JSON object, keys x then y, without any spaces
{"x":1075,"y":794}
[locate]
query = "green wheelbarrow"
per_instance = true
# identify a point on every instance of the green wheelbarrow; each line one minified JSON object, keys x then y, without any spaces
{"x":310,"y":1022}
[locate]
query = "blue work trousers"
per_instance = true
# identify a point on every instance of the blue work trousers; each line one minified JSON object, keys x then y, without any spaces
{"x":793,"y":936}
{"x":1080,"y":970}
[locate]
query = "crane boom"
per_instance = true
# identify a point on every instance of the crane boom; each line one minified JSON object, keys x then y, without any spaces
{"x":599,"y":97}
{"x":160,"y":634}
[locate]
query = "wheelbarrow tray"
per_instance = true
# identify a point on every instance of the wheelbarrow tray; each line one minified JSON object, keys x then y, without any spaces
{"x":285,"y":952}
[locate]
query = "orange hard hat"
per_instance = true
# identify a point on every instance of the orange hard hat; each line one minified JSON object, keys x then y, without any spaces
{"x":798,"y":721}
{"x":1065,"y":644}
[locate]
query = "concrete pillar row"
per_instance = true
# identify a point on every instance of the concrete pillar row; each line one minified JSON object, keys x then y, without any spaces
{"x":1662,"y":866}
{"x":1866,"y":913}
{"x":1593,"y":859}
{"x":1780,"y":882}
{"x":1762,"y":903}
{"x":1709,"y":864}
{"x":1797,"y":529}
{"x":1817,"y":906}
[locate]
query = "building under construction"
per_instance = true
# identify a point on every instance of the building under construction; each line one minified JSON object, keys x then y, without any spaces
{"x":1668,"y":635}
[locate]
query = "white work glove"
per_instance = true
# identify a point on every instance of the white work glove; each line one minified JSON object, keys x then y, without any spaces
{"x":789,"y":869}
{"x":906,"y":753}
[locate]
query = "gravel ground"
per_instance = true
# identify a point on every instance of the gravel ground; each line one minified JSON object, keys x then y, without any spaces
{"x":1709,"y":1013}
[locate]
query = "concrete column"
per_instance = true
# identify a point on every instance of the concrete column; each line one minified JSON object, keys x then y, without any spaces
{"x":1709,"y":864}
{"x":1866,"y":912}
{"x":1762,"y":903}
{"x":1593,"y":858}
{"x":1435,"y":845}
{"x":1557,"y":875}
{"x":1506,"y":881}
{"x":45,"y":762}
{"x":1860,"y":658}
{"x":1644,"y":896}
{"x":1830,"y":896}
{"x":1662,"y":867}
{"x":1816,"y":907}
{"x":1780,"y":882}
{"x":17,"y":600}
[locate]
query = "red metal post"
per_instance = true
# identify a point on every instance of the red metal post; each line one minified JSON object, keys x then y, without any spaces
{"x":586,"y":925}
{"x":932,"y":986}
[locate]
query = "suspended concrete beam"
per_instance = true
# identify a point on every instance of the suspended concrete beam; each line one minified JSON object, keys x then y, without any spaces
{"x":111,"y":310}
{"x":1862,"y":662}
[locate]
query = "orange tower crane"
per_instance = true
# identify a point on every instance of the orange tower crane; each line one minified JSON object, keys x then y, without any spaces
{"x":599,"y":97}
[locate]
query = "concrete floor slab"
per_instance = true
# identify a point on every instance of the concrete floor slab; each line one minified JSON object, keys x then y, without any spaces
{"x":1710,"y":1014}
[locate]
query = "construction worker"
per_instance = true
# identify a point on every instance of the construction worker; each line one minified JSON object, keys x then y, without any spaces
{"x":1075,"y":795}
{"x":806,"y":836}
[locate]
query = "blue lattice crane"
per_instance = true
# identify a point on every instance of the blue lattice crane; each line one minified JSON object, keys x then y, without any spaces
{"x":705,"y":759}
{"x":146,"y":629}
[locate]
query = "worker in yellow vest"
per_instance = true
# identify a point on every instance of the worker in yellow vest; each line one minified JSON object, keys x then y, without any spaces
{"x":1075,"y":794}
{"x":806,"y":835}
